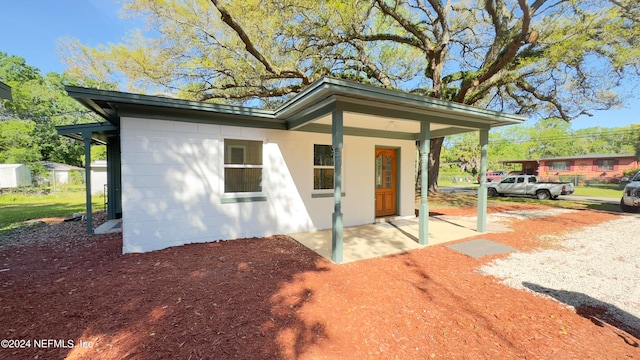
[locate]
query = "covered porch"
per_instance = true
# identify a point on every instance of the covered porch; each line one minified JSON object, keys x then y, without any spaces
{"x":385,"y":237}
{"x":342,"y":108}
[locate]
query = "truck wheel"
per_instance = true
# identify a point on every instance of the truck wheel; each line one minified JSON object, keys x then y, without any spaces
{"x":492,"y":192}
{"x":543,"y":194}
{"x":626,"y":208}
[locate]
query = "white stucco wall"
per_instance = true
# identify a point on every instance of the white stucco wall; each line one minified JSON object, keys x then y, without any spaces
{"x":172,"y":184}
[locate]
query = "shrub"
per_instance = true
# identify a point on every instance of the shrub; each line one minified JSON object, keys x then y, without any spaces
{"x":604,"y":180}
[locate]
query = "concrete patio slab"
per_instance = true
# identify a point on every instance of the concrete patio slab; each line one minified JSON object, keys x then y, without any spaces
{"x":383,"y":238}
{"x":110,"y":226}
{"x":481,"y":247}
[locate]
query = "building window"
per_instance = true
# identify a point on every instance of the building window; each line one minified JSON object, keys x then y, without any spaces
{"x":322,"y":167}
{"x":605,"y":165}
{"x":242,"y":166}
{"x":560,"y":165}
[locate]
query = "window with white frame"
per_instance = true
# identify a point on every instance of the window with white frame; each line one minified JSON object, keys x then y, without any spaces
{"x":242,"y":166}
{"x":322,"y":167}
{"x":605,"y":165}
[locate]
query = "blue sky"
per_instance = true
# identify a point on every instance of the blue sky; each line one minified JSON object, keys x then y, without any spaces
{"x":32,"y":28}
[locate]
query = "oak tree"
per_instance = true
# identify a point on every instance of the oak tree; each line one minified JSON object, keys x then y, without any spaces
{"x":540,"y":58}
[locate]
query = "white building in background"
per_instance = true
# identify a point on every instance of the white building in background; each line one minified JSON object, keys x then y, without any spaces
{"x":14,"y":175}
{"x":98,"y":177}
{"x":59,"y":174}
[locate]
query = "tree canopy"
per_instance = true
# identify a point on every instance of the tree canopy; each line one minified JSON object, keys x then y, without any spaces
{"x":27,"y":123}
{"x":544,"y":59}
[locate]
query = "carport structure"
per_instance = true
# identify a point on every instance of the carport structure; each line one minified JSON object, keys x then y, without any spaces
{"x":335,"y":107}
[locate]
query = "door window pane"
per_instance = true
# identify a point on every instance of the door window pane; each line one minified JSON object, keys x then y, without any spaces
{"x":387,"y":171}
{"x":379,"y":171}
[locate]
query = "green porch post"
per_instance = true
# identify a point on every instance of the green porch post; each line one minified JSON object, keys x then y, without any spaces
{"x":423,"y":213}
{"x":114,"y":196}
{"x":86,"y":136}
{"x":482,"y":190}
{"x":337,"y":226}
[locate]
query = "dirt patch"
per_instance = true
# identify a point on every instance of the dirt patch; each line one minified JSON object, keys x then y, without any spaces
{"x":272,"y":298}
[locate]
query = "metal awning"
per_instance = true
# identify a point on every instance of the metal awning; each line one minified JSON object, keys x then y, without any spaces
{"x":5,"y":91}
{"x":98,"y":132}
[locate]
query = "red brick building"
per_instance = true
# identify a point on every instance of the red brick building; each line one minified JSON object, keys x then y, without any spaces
{"x":606,"y":168}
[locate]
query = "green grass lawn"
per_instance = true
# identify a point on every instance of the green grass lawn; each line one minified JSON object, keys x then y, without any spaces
{"x":16,"y":208}
{"x":600,"y":190}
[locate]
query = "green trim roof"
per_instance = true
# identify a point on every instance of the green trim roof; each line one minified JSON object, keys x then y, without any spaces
{"x":301,"y":112}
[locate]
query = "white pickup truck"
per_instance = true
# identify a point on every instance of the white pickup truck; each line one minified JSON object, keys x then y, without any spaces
{"x":529,"y":185}
{"x":630,"y":201}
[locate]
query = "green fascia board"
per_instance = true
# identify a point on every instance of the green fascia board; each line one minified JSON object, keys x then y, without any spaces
{"x":316,"y":100}
{"x":382,"y":97}
{"x":117,"y":97}
{"x":378,"y":109}
{"x":106,"y":113}
{"x":5,"y":91}
{"x":311,"y":113}
{"x":351,"y":131}
{"x":198,"y":116}
{"x":97,"y":131}
{"x":452,"y":131}
{"x":355,"y":90}
{"x":92,"y":127}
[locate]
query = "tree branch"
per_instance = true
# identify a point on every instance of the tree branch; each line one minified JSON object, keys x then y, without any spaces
{"x":228,"y":19}
{"x":523,"y":85}
{"x":258,"y":92}
{"x":426,"y":44}
{"x":379,"y":75}
{"x":504,"y":57}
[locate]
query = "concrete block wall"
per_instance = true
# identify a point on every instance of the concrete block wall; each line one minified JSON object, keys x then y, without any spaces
{"x":173,"y":188}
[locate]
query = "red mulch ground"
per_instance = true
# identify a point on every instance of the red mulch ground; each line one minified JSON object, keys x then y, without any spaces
{"x":274,"y":299}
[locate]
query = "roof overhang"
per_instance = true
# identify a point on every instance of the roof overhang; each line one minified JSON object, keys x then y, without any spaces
{"x":368,"y":111}
{"x":5,"y":91}
{"x":391,"y":112}
{"x":97,"y":132}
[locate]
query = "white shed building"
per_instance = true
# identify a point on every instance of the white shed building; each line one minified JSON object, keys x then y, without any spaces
{"x":14,"y":175}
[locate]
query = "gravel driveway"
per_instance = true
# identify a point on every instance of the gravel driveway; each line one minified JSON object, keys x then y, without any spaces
{"x":595,"y":270}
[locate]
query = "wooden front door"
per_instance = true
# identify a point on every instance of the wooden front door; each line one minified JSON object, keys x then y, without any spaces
{"x":386,"y":189}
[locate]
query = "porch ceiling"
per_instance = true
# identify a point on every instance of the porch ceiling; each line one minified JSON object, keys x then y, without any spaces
{"x":389,"y":126}
{"x":373,"y":111}
{"x":99,"y":132}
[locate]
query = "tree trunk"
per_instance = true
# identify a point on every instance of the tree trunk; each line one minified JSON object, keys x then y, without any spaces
{"x":434,"y":163}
